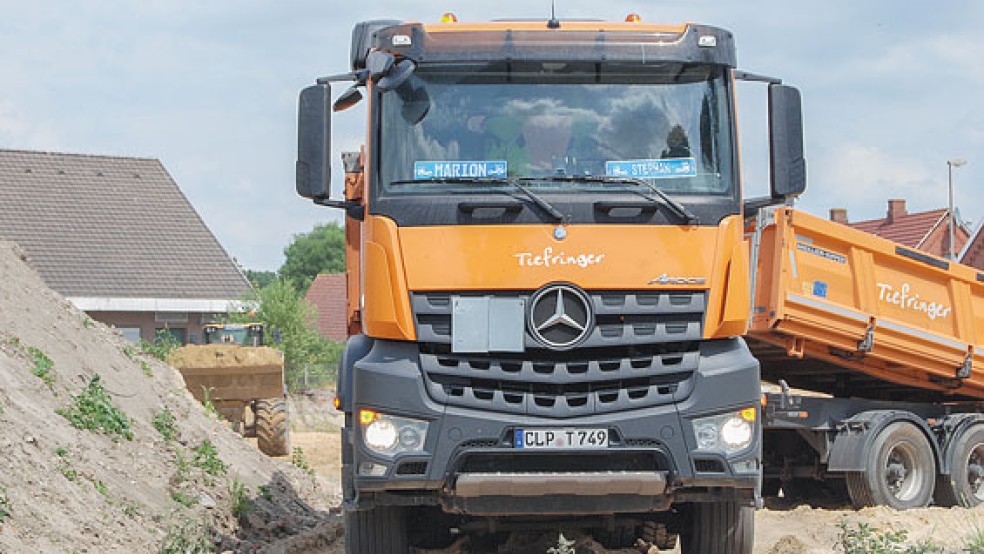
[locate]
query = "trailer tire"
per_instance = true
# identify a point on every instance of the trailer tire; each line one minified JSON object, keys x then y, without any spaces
{"x":900,"y":471}
{"x":381,"y":530}
{"x":272,"y":426}
{"x":965,"y":484}
{"x":718,"y":528}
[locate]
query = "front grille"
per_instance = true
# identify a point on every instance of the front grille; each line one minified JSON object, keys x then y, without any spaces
{"x":621,"y":318}
{"x":641,"y":353}
{"x":567,"y":387}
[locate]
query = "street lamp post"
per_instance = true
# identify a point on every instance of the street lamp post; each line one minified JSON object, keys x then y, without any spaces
{"x":950,"y":164}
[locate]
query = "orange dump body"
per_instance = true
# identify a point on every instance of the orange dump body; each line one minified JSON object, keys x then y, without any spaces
{"x":841,"y":311}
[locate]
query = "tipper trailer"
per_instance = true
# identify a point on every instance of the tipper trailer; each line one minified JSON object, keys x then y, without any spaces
{"x":890,"y":335}
{"x":552,"y":275}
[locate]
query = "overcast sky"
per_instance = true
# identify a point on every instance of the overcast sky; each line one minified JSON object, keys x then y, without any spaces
{"x":890,"y":90}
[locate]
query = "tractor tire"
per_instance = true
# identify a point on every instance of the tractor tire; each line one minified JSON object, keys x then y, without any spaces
{"x":273,"y":427}
{"x":900,"y":470}
{"x":381,"y":530}
{"x":965,"y":484}
{"x":718,"y":528}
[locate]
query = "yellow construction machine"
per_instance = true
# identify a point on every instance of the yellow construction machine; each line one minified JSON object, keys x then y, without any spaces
{"x":232,"y":370}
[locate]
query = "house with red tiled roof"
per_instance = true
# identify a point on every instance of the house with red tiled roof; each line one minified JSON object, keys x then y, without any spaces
{"x":328,"y":294}
{"x":927,"y":231}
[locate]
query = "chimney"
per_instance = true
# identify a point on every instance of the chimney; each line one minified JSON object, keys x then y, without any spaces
{"x":838,"y":215}
{"x":896,"y":209}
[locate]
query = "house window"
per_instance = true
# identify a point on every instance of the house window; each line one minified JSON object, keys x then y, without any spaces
{"x":131,"y":334}
{"x":181,"y":335}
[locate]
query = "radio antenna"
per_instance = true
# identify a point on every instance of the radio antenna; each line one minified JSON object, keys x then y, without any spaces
{"x":553,"y":23}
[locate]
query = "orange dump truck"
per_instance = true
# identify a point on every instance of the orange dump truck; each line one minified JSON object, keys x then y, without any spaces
{"x":561,"y":305}
{"x":891,"y":338}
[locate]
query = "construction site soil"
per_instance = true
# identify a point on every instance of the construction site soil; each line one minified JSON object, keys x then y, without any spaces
{"x":66,"y":489}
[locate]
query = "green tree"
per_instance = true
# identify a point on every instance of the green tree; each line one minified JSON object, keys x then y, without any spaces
{"x":320,"y":251}
{"x":282,"y":307}
{"x":260,"y":278}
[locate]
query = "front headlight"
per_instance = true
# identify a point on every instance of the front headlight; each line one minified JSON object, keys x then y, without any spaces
{"x":389,"y":435}
{"x":730,"y":432}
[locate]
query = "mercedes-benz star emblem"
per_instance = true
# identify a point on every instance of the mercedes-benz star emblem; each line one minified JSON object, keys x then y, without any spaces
{"x":560,"y":316}
{"x":560,"y":233}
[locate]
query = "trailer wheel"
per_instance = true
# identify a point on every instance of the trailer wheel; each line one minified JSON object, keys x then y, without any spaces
{"x":719,"y":528}
{"x":900,"y":471}
{"x":272,"y":427}
{"x":381,"y":530}
{"x":965,"y":484}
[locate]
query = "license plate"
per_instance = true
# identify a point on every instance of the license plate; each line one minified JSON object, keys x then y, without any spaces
{"x":561,"y":438}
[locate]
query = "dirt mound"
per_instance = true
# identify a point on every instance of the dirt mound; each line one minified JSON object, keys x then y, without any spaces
{"x":104,"y":450}
{"x":224,"y":355}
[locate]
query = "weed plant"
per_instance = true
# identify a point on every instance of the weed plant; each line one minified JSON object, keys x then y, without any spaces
{"x":164,"y":343}
{"x":5,"y":509}
{"x":93,"y":410}
{"x":299,"y":459}
{"x":166,"y":424}
{"x":190,"y":538}
{"x":184,"y":499}
{"x":241,"y":504}
{"x":207,"y":459}
{"x":42,"y":366}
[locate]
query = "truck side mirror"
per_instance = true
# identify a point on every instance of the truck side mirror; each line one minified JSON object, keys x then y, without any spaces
{"x":788,"y":167}
{"x":313,"y":168}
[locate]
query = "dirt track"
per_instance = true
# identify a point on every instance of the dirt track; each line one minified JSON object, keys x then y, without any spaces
{"x":797,"y":530}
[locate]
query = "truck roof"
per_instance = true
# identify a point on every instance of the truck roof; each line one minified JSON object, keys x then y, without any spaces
{"x":585,"y":41}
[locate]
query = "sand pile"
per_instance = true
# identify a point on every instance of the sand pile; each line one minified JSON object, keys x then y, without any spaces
{"x":114,"y":481}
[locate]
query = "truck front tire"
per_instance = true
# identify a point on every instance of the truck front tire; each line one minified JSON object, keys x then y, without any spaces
{"x":718,"y":528}
{"x":899,"y":470}
{"x":381,"y":530}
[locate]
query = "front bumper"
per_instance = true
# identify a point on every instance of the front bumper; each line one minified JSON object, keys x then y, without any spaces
{"x":470,"y":465}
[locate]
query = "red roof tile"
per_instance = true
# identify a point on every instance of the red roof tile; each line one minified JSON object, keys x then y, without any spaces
{"x":909,"y":229}
{"x":328,"y":294}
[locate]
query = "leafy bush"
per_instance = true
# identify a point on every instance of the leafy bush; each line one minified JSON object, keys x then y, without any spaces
{"x":283,"y":307}
{"x":93,"y":410}
{"x":164,"y":343}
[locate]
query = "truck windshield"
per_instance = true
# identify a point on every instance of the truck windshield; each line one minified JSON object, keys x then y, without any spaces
{"x":450,"y":127}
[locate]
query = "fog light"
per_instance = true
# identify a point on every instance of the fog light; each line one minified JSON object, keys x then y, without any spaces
{"x":707,"y":436}
{"x":369,"y":469}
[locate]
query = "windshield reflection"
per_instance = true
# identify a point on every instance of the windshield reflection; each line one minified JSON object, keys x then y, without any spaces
{"x":667,"y":126}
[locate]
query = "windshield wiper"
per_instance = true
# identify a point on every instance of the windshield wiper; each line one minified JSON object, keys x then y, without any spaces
{"x":543,"y":204}
{"x":677,"y":208}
